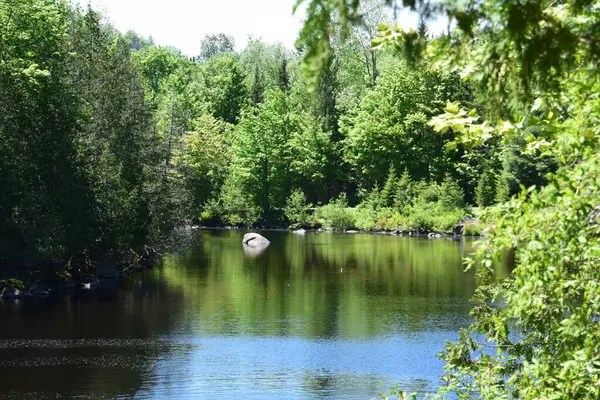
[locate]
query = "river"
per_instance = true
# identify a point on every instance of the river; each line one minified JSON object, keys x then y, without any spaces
{"x":316,"y":316}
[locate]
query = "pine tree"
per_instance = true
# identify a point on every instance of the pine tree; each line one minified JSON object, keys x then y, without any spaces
{"x":486,"y":189}
{"x":404,"y":191}
{"x":257,"y":88}
{"x":389,"y":189}
{"x":284,"y":79}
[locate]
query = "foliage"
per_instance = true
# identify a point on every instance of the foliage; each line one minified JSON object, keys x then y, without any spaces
{"x":451,"y":195}
{"x":404,"y":191}
{"x":389,"y":189}
{"x":204,"y":158}
{"x":395,"y":115}
{"x":80,"y":159}
{"x":335,"y":215}
{"x":222,"y":87}
{"x":215,"y":45}
{"x":235,"y":205}
{"x":486,"y":189}
{"x":533,"y":66}
{"x":297,"y":210}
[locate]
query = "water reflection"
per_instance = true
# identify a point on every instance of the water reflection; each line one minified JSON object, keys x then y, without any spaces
{"x":312,"y":316}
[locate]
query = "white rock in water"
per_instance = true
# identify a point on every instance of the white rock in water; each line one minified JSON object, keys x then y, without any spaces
{"x":300,"y":231}
{"x":255,"y":240}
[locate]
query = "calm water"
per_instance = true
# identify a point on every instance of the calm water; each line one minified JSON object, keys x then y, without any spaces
{"x":321,"y":316}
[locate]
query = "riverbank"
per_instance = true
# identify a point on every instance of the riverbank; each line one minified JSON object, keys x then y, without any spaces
{"x":471,"y":229}
{"x":385,"y":221}
{"x":37,"y":282}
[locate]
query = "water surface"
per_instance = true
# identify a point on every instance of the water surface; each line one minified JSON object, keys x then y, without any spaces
{"x":317,"y":316}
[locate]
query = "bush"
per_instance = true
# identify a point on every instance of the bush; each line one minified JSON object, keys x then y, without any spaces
{"x":297,"y":210}
{"x":336,"y":215}
{"x":390,"y":219}
{"x":365,"y":218}
{"x":430,"y":217}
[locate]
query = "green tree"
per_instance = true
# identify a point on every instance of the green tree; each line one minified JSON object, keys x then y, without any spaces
{"x":256,"y":93}
{"x":215,"y":45}
{"x":404,"y":191}
{"x":204,"y":158}
{"x":222,"y":87}
{"x":297,"y":210}
{"x":395,"y":116}
{"x":261,"y":158}
{"x":486,"y":189}
{"x":452,"y":196}
{"x":389,"y":189}
{"x":284,"y":79}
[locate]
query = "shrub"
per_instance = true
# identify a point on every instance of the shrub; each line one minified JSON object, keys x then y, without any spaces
{"x":474,"y":228}
{"x":430,"y":217}
{"x":365,"y":218}
{"x":390,"y":219}
{"x":336,"y":215}
{"x":297,"y":210}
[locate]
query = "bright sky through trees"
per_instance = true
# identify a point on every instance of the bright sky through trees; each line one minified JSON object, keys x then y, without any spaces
{"x":183,"y":23}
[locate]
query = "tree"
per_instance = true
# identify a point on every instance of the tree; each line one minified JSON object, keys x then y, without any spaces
{"x":389,"y":189}
{"x":404,"y":191}
{"x":486,"y":189}
{"x":135,"y":41}
{"x":395,"y":116}
{"x":215,"y":45}
{"x":223,"y":88}
{"x":296,"y":209}
{"x":284,"y":79}
{"x":204,"y":158}
{"x":155,"y":64}
{"x":257,"y":90}
{"x":452,"y":196}
{"x":261,"y":158}
{"x":43,"y":182}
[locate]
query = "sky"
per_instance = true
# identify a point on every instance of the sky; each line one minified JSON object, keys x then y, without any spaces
{"x":183,"y":23}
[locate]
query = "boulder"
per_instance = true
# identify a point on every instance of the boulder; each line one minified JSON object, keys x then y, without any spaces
{"x":299,"y":231}
{"x":255,"y":240}
{"x":253,"y":251}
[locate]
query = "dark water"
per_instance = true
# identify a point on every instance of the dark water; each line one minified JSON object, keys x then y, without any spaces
{"x":334,"y":316}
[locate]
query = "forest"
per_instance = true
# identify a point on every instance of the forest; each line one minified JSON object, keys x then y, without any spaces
{"x":110,"y":142}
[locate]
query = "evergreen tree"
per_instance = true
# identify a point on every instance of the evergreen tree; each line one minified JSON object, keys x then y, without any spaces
{"x":485,"y":192}
{"x":404,"y":191}
{"x":256,"y":93}
{"x":284,"y":79}
{"x":389,"y":189}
